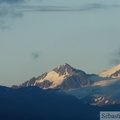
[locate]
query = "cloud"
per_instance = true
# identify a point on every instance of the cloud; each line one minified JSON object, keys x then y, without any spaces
{"x":63,"y":8}
{"x":11,"y":9}
{"x":115,"y":57}
{"x":7,"y":14}
{"x":35,"y":55}
{"x":11,"y":1}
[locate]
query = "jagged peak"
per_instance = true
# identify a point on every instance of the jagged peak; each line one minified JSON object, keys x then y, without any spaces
{"x":66,"y":69}
{"x":64,"y":65}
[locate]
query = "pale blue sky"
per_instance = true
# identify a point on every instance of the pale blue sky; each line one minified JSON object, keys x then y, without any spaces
{"x":35,"y":37}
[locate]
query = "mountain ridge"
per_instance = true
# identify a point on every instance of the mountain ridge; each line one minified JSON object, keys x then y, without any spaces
{"x":33,"y":103}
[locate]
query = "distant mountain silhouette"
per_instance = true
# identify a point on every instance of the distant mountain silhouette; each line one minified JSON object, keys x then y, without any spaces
{"x":32,"y":103}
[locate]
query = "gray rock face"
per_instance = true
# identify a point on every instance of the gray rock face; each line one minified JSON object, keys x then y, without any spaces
{"x":28,"y":83}
{"x":76,"y":80}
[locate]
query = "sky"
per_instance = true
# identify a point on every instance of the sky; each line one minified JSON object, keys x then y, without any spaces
{"x":38,"y":35}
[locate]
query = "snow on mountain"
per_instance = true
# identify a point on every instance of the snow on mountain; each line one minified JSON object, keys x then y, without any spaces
{"x":53,"y":78}
{"x":105,"y":82}
{"x":102,"y":92}
{"x":64,"y":77}
{"x":113,"y":72}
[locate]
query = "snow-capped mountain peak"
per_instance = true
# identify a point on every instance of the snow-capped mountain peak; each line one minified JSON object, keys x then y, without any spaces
{"x":64,"y":69}
{"x":113,"y":72}
{"x":63,"y":76}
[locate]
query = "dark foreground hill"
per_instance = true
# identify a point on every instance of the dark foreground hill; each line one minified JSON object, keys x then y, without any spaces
{"x":33,"y":103}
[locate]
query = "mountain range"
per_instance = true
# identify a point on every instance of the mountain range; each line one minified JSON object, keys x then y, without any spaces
{"x":102,"y":89}
{"x":65,"y":93}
